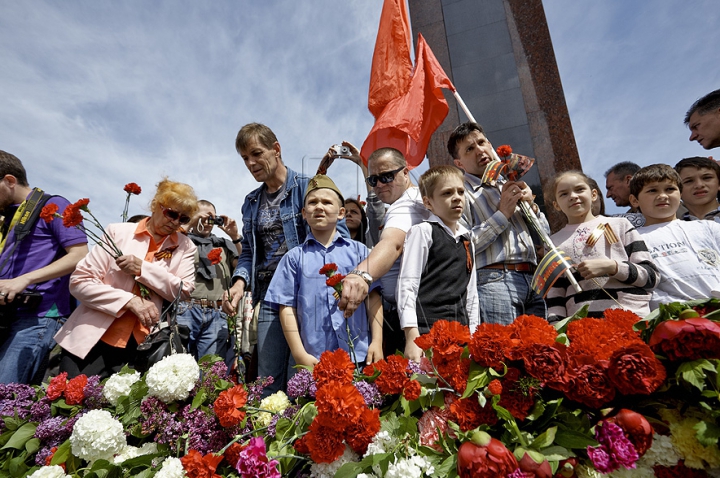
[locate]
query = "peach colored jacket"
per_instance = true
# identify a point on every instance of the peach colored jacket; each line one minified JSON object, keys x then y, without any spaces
{"x":103,"y":289}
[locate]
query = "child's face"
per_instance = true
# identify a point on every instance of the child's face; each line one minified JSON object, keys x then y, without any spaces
{"x":658,"y":201}
{"x":322,"y":209}
{"x":700,"y":186}
{"x":353,"y":216}
{"x":574,"y":197}
{"x":448,"y":199}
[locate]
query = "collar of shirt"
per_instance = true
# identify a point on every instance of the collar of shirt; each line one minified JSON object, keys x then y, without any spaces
{"x":337,"y":237}
{"x":142,"y":229}
{"x":461,"y":230}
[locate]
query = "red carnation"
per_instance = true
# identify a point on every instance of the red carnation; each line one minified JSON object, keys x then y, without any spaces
{"x":689,"y":339}
{"x":546,"y":363}
{"x":74,"y":391}
{"x":57,"y":386}
{"x":72,"y":216}
{"x":323,"y":444}
{"x":588,"y":382}
{"x":82,"y":203}
{"x":228,"y":406}
{"x":393,"y":374}
{"x":327,"y":268}
{"x":198,"y":466}
{"x":516,"y":399}
{"x":334,"y":366}
{"x":495,"y":387}
{"x":412,"y":390}
{"x":339,"y":406}
{"x":48,"y":212}
{"x":215,"y":256}
{"x":635,"y":369}
{"x":359,"y":435}
{"x":334,"y":280}
{"x":431,"y":425}
{"x":232,"y":454}
{"x":468,"y":413}
{"x":485,"y":457}
{"x":504,"y":150}
{"x":489,"y":344}
{"x":132,"y":188}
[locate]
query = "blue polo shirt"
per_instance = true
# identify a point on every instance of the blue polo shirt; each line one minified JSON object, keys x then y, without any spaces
{"x":298,"y":283}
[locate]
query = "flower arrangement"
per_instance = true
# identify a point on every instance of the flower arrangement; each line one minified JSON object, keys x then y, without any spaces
{"x":588,"y":399}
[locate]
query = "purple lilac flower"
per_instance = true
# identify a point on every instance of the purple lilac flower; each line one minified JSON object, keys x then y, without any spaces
{"x":289,"y":412}
{"x":42,"y":455}
{"x":40,"y":410}
{"x":210,"y":375}
{"x":414,"y":367}
{"x":302,"y":384}
{"x":16,"y":398}
{"x":254,"y":462}
{"x":256,"y":388}
{"x":156,"y":418}
{"x":93,"y":393}
{"x":204,"y":431}
{"x":614,"y":451}
{"x":370,"y":392}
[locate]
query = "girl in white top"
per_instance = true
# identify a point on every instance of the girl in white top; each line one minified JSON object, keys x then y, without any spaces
{"x":613,"y":265}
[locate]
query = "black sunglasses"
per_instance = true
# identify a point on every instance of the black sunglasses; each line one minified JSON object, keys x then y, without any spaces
{"x":384,"y":178}
{"x":174,"y":215}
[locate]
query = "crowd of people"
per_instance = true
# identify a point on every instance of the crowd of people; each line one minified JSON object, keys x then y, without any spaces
{"x":317,"y":271}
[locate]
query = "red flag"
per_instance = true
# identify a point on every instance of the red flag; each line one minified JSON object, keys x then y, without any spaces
{"x":391,"y":65}
{"x":408,"y":122}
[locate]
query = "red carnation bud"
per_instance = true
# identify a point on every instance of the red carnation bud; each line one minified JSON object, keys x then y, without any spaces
{"x":534,"y":462}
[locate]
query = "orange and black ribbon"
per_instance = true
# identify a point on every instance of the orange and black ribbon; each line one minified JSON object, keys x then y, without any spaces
{"x":600,"y":230}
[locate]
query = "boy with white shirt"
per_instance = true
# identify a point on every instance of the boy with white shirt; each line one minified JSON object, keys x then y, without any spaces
{"x":685,"y":252}
{"x":437,"y":275}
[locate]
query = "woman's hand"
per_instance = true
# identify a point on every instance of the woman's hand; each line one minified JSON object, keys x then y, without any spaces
{"x":146,"y":312}
{"x":130,"y":264}
{"x":597,"y":268}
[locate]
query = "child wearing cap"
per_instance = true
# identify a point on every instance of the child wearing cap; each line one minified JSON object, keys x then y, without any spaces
{"x":309,"y":314}
{"x":437,"y":275}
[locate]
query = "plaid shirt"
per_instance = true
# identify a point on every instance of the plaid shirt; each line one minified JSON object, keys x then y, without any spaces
{"x":496,"y":239}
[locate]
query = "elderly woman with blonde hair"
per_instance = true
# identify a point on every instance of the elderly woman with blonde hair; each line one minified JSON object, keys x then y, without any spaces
{"x":103,"y":333}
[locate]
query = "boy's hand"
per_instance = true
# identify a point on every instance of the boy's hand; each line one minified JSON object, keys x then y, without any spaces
{"x":374,"y":352}
{"x":306,"y":359}
{"x":597,"y":268}
{"x":412,"y":351}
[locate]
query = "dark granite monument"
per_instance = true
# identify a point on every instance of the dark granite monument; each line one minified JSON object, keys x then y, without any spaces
{"x":499,"y":56}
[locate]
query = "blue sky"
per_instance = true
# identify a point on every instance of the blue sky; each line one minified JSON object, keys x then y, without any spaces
{"x":96,"y":94}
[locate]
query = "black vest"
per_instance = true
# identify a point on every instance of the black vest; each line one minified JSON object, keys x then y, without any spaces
{"x":443,"y":283}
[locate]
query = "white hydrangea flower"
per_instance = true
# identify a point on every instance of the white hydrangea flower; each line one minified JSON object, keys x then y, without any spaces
{"x":382,"y":442}
{"x":173,"y":377}
{"x":365,"y":475}
{"x":97,"y":435}
{"x":53,"y":471}
{"x":118,"y":385}
{"x":133,"y":452}
{"x":171,"y":468}
{"x":276,"y":403}
{"x":328,"y":470}
{"x":662,"y":452}
{"x":404,"y":468}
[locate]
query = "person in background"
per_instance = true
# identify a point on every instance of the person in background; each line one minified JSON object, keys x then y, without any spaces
{"x":617,"y":183}
{"x":703,"y":119}
{"x":40,"y":264}
{"x":356,"y":220}
{"x":101,"y":336}
{"x":202,"y":312}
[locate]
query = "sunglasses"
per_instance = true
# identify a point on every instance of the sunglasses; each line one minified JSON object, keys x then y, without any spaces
{"x":174,"y":215}
{"x":384,"y":178}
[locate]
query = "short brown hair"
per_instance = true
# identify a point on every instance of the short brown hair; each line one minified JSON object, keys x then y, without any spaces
{"x":398,"y":160}
{"x":260,"y":132}
{"x":653,"y":174}
{"x":704,"y":105}
{"x":698,"y":162}
{"x":10,"y":164}
{"x":177,"y":196}
{"x":432,"y":177}
{"x":459,"y":134}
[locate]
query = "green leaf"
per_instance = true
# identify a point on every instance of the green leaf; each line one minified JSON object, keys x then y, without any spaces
{"x":545,"y":439}
{"x":572,"y":439}
{"x":199,"y":398}
{"x":477,"y":378}
{"x":556,"y":453}
{"x":61,"y":454}
{"x":349,"y":470}
{"x":707,"y":433}
{"x":18,"y":467}
{"x":21,"y":436}
{"x":32,"y":445}
{"x":693,"y":372}
{"x":447,"y":467}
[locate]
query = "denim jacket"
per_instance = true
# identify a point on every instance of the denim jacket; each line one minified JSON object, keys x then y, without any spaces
{"x":294,"y":226}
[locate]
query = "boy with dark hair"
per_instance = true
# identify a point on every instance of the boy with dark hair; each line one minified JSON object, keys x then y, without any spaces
{"x":437,"y":276}
{"x":700,"y":179}
{"x":685,"y":252}
{"x":309,"y":313}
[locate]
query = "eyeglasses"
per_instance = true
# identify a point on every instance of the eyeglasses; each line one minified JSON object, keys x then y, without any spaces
{"x":174,"y":215}
{"x":384,"y":178}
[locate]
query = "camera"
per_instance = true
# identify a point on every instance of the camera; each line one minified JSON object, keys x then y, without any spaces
{"x":217,"y":221}
{"x":340,"y":150}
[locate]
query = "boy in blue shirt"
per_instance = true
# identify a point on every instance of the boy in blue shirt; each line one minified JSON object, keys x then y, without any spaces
{"x":309,"y":315}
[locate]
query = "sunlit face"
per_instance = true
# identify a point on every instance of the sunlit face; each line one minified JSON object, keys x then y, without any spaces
{"x":700,"y":186}
{"x":322,"y":209}
{"x":161,"y":224}
{"x":390,"y":192}
{"x":618,"y":189}
{"x":658,"y":201}
{"x":262,"y":162}
{"x":574,"y":197}
{"x":475,"y":152}
{"x":705,"y":129}
{"x":353,"y":216}
{"x":205,"y":212}
{"x":447,"y":200}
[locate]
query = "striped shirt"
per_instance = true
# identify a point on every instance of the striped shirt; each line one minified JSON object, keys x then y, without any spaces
{"x":632,"y":286}
{"x":497,"y":239}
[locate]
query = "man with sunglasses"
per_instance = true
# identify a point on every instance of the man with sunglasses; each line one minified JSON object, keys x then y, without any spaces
{"x":390,"y":179}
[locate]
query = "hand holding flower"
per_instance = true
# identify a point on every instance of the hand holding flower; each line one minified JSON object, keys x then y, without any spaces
{"x":130,"y":264}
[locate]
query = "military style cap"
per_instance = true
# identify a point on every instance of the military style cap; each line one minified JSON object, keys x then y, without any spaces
{"x":320,"y":181}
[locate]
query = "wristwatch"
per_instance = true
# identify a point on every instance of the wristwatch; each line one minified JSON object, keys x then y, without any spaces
{"x":364,"y":275}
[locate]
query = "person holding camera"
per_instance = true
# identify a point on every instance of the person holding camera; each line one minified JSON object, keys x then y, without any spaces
{"x":36,"y":259}
{"x":202,"y":312}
